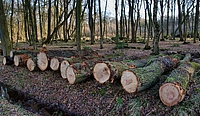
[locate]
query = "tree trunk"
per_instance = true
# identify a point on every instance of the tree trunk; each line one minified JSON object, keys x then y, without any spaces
{"x":101,"y":32}
{"x":174,"y":88}
{"x":4,"y":35}
{"x":180,"y":20}
{"x":156,"y":29}
{"x":20,"y":59}
{"x":138,"y":79}
{"x":78,"y":24}
{"x":196,"y":22}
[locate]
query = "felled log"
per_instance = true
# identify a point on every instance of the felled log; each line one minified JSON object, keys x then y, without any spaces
{"x":138,"y":79}
{"x":105,"y":71}
{"x":31,"y":63}
{"x":20,"y":59}
{"x":18,"y":52}
{"x":63,"y":66}
{"x":7,"y":60}
{"x":174,"y":88}
{"x":55,"y":63}
{"x":77,"y":72}
{"x":42,"y":61}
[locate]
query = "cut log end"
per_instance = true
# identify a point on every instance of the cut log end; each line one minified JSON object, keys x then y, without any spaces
{"x":54,"y":64}
{"x":16,"y":60}
{"x":30,"y":64}
{"x":42,"y":61}
{"x":129,"y":81}
{"x":70,"y":74}
{"x":63,"y":66}
{"x":101,"y":72}
{"x":4,"y":60}
{"x":170,"y":94}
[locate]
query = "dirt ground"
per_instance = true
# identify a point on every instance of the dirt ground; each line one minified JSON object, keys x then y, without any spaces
{"x":91,"y":98}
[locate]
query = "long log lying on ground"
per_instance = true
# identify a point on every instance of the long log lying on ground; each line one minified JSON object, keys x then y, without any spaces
{"x":18,"y":52}
{"x":20,"y":59}
{"x":42,"y":61}
{"x":174,"y":89}
{"x":138,"y":79}
{"x":105,"y":71}
{"x":7,"y":60}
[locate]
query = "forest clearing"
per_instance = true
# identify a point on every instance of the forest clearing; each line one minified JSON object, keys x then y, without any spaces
{"x":99,"y":57}
{"x":90,"y":97}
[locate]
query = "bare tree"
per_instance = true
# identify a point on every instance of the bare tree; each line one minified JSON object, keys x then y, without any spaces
{"x":78,"y":24}
{"x":91,"y":21}
{"x":180,"y":20}
{"x":156,"y":29}
{"x":4,"y":35}
{"x":196,"y":21}
{"x":101,"y":32}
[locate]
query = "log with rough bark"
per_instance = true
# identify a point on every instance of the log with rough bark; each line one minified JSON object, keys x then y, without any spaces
{"x":18,"y":52}
{"x":7,"y":60}
{"x":174,"y":88}
{"x":138,"y":79}
{"x":20,"y":59}
{"x":42,"y":61}
{"x":77,"y":72}
{"x":55,"y":63}
{"x":63,"y":66}
{"x":31,"y":63}
{"x":105,"y":71}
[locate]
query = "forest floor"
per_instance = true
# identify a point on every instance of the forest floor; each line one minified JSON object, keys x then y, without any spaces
{"x":45,"y":92}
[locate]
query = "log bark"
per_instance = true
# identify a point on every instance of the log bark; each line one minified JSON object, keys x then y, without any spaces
{"x":77,"y":73}
{"x":20,"y":59}
{"x":31,"y":63}
{"x":138,"y":79}
{"x":7,"y":60}
{"x":42,"y":61}
{"x":174,"y":88}
{"x":105,"y":71}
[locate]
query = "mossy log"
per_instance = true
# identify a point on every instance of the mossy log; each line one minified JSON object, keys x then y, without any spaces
{"x":79,"y":72}
{"x":42,"y":61}
{"x":174,"y":88}
{"x":138,"y":79}
{"x":18,"y":52}
{"x":105,"y":71}
{"x":7,"y":60}
{"x":20,"y":59}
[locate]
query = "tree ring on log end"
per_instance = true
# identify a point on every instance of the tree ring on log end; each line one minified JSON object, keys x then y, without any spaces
{"x":42,"y":61}
{"x":63,"y":66}
{"x":16,"y":60}
{"x":169,"y":94}
{"x":54,"y":64}
{"x":129,"y":81}
{"x":70,"y":74}
{"x":101,"y":72}
{"x":4,"y":60}
{"x":30,"y":64}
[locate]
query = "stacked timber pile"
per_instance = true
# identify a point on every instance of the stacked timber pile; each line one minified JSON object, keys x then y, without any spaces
{"x":135,"y":76}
